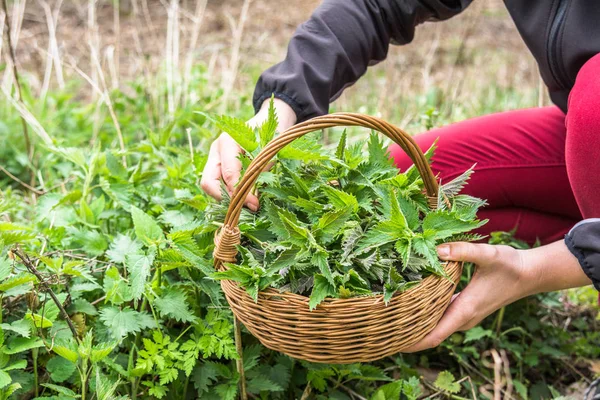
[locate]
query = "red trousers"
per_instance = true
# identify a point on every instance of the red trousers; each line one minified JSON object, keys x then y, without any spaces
{"x":538,"y":169}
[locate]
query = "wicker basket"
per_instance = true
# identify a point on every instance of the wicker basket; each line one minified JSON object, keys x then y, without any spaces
{"x":338,"y":331}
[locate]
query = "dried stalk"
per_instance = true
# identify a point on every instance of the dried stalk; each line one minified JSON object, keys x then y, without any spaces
{"x":234,"y":61}
{"x":14,"y":178}
{"x":307,"y":391}
{"x":196,"y":25}
{"x":52,"y":56}
{"x":11,"y":52}
{"x":109,"y":102}
{"x":117,"y":51}
{"x":42,"y":282}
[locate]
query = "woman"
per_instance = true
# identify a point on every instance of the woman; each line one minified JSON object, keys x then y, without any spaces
{"x":539,"y":168}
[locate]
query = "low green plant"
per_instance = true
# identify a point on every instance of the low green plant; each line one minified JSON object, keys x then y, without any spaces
{"x":342,"y":223}
{"x":126,"y":248}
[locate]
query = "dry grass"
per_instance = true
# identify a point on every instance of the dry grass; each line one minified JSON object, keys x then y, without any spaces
{"x":457,"y":61}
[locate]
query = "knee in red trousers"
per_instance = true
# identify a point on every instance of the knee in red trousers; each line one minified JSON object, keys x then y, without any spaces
{"x":583,"y":138}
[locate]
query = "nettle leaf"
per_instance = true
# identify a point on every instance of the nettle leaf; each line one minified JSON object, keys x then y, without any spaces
{"x":396,"y":212}
{"x":146,"y":228}
{"x":173,"y":304}
{"x":404,"y":249}
{"x":273,"y":214}
{"x":293,"y":182}
{"x":62,"y":390}
{"x":382,"y":233}
{"x":115,"y":286}
{"x":319,"y":259}
{"x":455,"y":186}
{"x":444,"y":224}
{"x":322,"y":289}
{"x":260,"y":383}
{"x":330,"y":224}
{"x":5,"y":379}
{"x":22,"y":344}
{"x":5,"y":268}
{"x":340,"y":199}
{"x":410,"y":212}
{"x":309,"y":206}
{"x":227,"y":391}
{"x":350,"y":238}
{"x":297,"y":234}
{"x":125,"y":321}
{"x":115,"y":167}
{"x":185,"y":244}
{"x":285,"y":259}
{"x":176,"y":218}
{"x":307,"y":148}
{"x":447,"y":383}
{"x":318,"y":376}
{"x":138,"y":266}
{"x":477,"y":333}
{"x":238,"y":130}
{"x":16,"y":281}
{"x":204,"y":377}
{"x":267,"y":130}
{"x":60,"y":369}
{"x":466,"y":207}
{"x":411,"y":388}
{"x":20,"y":326}
{"x":426,"y":248}
{"x":389,"y":391}
{"x":378,"y":153}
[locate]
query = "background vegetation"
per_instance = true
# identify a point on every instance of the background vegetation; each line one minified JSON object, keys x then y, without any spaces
{"x":104,"y":244}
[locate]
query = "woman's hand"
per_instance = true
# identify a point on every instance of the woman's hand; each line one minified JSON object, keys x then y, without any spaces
{"x":223,"y":163}
{"x":503,"y":275}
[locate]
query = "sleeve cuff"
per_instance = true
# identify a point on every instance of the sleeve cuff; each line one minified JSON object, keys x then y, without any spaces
{"x":584,"y":242}
{"x":260,"y":99}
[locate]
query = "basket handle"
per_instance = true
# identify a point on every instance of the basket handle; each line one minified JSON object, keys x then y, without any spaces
{"x":228,"y":237}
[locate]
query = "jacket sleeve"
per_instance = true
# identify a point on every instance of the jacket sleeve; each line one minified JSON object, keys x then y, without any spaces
{"x":331,"y":50}
{"x":584,"y":242}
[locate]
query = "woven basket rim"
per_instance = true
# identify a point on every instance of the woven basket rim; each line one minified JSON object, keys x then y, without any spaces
{"x":271,"y":294}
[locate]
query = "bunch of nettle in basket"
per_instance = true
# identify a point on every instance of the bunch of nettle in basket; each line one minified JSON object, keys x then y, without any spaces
{"x":341,"y":223}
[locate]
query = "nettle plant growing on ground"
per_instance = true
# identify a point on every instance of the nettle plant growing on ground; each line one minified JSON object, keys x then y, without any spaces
{"x":342,"y":223}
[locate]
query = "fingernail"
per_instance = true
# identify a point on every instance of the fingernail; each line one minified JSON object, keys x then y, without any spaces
{"x":443,"y":251}
{"x":252,"y":207}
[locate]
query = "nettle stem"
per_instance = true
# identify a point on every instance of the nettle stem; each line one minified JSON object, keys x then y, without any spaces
{"x":237,"y":329}
{"x":34,"y":354}
{"x":83,"y":375}
{"x":499,"y":321}
{"x":136,"y":344}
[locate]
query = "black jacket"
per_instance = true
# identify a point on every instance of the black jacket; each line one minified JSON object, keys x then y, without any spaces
{"x":584,"y":242}
{"x":342,"y":38}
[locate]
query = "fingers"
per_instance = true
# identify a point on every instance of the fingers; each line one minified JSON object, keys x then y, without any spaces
{"x":480,"y":254}
{"x":231,"y":166}
{"x":252,"y":202}
{"x":223,"y":164}
{"x":211,"y":176}
{"x":459,"y":315}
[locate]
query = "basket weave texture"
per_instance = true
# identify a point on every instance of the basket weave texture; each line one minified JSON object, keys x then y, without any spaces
{"x":338,"y":331}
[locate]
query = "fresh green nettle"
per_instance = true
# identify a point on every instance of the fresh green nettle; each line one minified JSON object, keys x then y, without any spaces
{"x":341,"y":223}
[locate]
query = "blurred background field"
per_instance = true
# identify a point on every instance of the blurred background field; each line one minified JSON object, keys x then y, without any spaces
{"x":179,"y":55}
{"x":124,"y":79}
{"x":475,"y":63}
